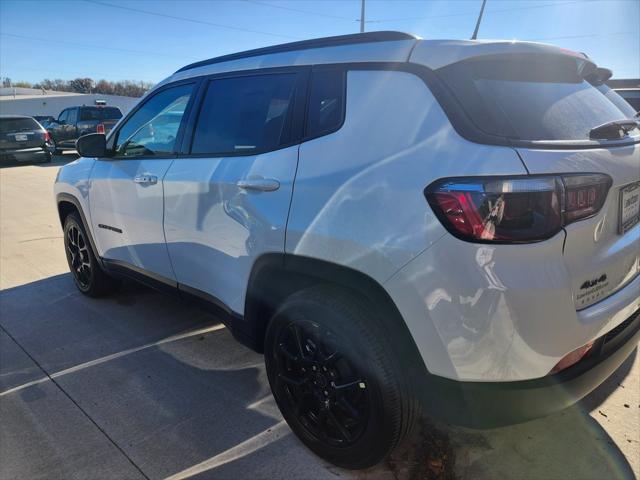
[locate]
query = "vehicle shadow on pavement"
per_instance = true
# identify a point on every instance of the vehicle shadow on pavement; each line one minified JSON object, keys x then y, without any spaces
{"x":567,"y":444}
{"x":180,"y":398}
{"x":162,"y":379}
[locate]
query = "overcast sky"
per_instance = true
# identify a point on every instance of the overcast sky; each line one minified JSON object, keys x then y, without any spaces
{"x":148,"y":40}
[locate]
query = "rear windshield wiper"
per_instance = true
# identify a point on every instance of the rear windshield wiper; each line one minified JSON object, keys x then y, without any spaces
{"x":613,"y":130}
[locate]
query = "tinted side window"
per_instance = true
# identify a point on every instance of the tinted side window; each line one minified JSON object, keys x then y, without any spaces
{"x":63,"y":116}
{"x":153,"y":128}
{"x":246,"y":114}
{"x":73,"y":116}
{"x":326,"y":102}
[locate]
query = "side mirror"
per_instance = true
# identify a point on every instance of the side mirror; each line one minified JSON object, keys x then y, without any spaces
{"x":92,"y":145}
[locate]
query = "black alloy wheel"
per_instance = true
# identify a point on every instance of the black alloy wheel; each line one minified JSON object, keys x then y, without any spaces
{"x":335,"y":376}
{"x":85,"y":268}
{"x":324,"y":390}
{"x":78,"y":257}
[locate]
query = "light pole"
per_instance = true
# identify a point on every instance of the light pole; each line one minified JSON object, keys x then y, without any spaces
{"x":362,"y":16}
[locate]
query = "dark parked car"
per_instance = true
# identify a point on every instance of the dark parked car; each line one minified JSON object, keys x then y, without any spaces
{"x":631,"y":95}
{"x":74,"y":122}
{"x":23,"y":139}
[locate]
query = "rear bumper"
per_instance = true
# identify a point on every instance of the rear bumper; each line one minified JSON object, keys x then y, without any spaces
{"x":491,"y":404}
{"x":38,"y":154}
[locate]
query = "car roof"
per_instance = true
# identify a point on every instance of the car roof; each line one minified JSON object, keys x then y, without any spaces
{"x":351,"y":39}
{"x":385,"y":46}
{"x":11,"y":117}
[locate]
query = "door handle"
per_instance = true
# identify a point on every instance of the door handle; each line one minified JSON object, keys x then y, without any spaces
{"x":146,"y":179}
{"x":259,"y":184}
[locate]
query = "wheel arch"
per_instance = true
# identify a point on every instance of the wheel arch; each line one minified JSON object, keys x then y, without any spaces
{"x":276,"y":276}
{"x":68,"y":204}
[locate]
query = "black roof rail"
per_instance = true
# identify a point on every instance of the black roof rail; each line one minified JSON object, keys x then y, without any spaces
{"x":354,"y":38}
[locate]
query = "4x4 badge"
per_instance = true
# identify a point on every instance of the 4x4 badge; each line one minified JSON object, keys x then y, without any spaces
{"x":594,"y":282}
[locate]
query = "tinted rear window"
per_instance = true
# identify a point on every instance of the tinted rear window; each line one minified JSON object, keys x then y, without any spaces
{"x":530,"y":97}
{"x":100,"y":113}
{"x":8,"y":125}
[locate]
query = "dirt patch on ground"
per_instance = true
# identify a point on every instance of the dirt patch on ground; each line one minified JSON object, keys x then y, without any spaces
{"x":426,"y":455}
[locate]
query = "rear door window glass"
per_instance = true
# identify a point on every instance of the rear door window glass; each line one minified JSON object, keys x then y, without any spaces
{"x":326,"y":102}
{"x":530,"y":97}
{"x":248,"y":114}
{"x":153,"y":129}
{"x":73,"y":116}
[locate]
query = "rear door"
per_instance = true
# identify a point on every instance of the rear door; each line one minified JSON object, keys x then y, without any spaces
{"x":56,"y":128}
{"x":71,"y":128}
{"x":547,"y":107}
{"x":227,"y":199}
{"x":126,"y":196}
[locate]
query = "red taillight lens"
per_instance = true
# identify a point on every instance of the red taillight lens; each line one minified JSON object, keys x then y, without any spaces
{"x":584,"y":195}
{"x":515,"y":209}
{"x":47,"y":137}
{"x":100,"y":128}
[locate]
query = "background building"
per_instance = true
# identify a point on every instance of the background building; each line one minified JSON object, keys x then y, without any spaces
{"x":30,"y":101}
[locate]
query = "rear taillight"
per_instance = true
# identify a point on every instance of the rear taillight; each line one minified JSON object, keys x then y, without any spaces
{"x":515,"y":209}
{"x":100,"y":128}
{"x":47,"y":137}
{"x":584,"y":195}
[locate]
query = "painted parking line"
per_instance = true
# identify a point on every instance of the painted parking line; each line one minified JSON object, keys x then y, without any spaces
{"x":113,"y":356}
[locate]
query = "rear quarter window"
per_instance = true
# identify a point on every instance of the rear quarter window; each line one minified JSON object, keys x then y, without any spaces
{"x":326,"y":102}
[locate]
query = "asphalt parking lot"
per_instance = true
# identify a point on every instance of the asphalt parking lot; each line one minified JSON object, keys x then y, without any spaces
{"x":137,"y":385}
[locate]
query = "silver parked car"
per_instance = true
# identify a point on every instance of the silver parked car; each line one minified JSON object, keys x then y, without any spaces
{"x":398,"y":224}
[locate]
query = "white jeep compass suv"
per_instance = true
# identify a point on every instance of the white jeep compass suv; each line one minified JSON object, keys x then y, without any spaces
{"x":400,"y":225}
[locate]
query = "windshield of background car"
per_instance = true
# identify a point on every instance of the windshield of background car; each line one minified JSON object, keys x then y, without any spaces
{"x":8,"y":125}
{"x":531,"y":97}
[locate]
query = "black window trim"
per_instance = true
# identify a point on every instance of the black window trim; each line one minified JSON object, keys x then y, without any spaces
{"x":299,"y":113}
{"x":113,"y":135}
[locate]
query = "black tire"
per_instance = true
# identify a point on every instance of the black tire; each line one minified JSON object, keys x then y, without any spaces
{"x":87,"y":272}
{"x":325,"y":322}
{"x":55,"y":150}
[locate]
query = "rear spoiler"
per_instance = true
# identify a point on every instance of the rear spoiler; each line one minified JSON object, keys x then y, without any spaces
{"x":436,"y":54}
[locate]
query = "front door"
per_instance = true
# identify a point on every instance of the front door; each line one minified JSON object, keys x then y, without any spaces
{"x":227,"y":200}
{"x":126,"y":197}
